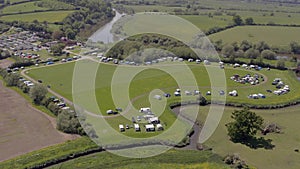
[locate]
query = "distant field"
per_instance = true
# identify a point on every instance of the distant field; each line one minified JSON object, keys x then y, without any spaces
{"x":283,"y":154}
{"x":203,"y":22}
{"x":150,"y":8}
{"x":273,"y":35}
{"x":40,"y":16}
{"x":24,"y":7}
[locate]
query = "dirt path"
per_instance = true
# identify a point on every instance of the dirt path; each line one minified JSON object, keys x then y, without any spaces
{"x":23,"y":128}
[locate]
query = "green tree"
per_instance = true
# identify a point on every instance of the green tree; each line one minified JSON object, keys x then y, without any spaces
{"x":249,"y":21}
{"x":245,"y":125}
{"x":11,"y":79}
{"x":262,"y":45}
{"x":245,"y":45}
{"x":281,"y":64}
{"x":227,"y":50}
{"x":268,"y":54}
{"x":252,"y":53}
{"x":295,"y":47}
{"x":202,"y":100}
{"x":57,"y":49}
{"x":237,"y":20}
{"x":67,"y":122}
{"x":38,"y":93}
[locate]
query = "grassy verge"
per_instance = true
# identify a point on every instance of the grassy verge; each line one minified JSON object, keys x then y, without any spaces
{"x":172,"y":158}
{"x":50,"y":154}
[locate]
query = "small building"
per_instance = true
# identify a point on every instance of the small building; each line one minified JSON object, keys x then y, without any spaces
{"x":121,"y":128}
{"x":150,"y":127}
{"x":137,"y":127}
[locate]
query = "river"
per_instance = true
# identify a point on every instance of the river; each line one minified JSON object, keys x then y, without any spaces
{"x":103,"y":34}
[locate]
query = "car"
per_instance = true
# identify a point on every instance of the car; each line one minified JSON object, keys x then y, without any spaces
{"x":49,"y":63}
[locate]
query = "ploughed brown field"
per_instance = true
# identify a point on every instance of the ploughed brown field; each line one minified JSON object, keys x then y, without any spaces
{"x":23,"y":128}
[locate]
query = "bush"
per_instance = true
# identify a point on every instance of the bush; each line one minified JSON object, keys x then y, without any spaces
{"x":38,"y":93}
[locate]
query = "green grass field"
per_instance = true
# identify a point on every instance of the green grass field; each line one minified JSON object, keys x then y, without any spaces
{"x":24,"y":7}
{"x":50,"y":153}
{"x":282,"y":156}
{"x":204,"y":23}
{"x":40,"y":16}
{"x":170,"y":159}
{"x":60,"y":79}
{"x":273,"y":35}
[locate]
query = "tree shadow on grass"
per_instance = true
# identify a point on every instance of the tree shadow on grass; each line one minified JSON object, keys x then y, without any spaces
{"x":256,"y":143}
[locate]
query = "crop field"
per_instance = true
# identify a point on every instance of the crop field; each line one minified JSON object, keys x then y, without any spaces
{"x":24,"y":7}
{"x":273,"y":35}
{"x":20,"y":123}
{"x":281,"y":156}
{"x":50,"y":17}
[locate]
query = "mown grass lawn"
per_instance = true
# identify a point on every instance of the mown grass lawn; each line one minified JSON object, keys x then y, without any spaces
{"x":51,"y":17}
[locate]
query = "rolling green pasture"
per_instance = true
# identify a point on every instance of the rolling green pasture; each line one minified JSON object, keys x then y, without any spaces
{"x":50,"y":17}
{"x":281,"y":156}
{"x":24,"y":7}
{"x":204,"y":23}
{"x":274,"y":35}
{"x":265,"y":18}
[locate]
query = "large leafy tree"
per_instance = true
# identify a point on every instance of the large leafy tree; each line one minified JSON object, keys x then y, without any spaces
{"x":245,"y":125}
{"x":38,"y":93}
{"x":237,"y":20}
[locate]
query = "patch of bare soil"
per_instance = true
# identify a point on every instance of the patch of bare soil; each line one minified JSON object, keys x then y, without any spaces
{"x":5,"y":63}
{"x":23,"y":128}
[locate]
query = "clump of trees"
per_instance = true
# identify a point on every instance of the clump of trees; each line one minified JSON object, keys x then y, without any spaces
{"x":91,"y":13}
{"x":142,"y":42}
{"x":244,"y":126}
